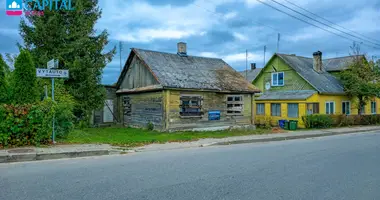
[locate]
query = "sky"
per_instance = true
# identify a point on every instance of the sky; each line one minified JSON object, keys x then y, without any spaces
{"x":225,"y":29}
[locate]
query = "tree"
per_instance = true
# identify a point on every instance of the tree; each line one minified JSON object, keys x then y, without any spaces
{"x":24,"y":82}
{"x":4,"y":86}
{"x":70,"y":37}
{"x":361,"y":80}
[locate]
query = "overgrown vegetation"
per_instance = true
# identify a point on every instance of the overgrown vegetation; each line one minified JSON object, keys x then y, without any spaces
{"x":317,"y":121}
{"x":327,"y":121}
{"x":361,"y":80}
{"x":136,"y":137}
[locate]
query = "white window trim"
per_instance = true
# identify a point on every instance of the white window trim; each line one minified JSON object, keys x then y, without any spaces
{"x":374,"y":113}
{"x":349,"y":102}
{"x":334,"y":110}
{"x":283,"y":76}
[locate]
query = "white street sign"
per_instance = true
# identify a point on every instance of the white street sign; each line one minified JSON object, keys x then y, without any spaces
{"x":50,"y":64}
{"x":52,"y":73}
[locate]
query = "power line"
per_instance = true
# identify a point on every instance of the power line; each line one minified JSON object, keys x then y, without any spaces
{"x":323,"y":23}
{"x":314,"y":24}
{"x":330,"y":21}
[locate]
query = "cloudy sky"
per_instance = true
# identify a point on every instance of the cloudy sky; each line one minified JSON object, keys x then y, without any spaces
{"x":226,"y":28}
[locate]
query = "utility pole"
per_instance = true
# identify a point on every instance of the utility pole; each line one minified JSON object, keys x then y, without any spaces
{"x":120,"y":49}
{"x":265,"y":50}
{"x":278,"y":42}
{"x":246,"y":64}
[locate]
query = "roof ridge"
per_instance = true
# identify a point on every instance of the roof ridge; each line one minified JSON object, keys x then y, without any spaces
{"x":293,"y":55}
{"x":176,"y":54}
{"x":342,"y":57}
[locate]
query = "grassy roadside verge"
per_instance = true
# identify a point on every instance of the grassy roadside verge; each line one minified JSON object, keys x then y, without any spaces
{"x":130,"y":137}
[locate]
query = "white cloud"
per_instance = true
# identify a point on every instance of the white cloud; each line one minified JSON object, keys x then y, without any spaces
{"x":148,"y":35}
{"x":209,"y":54}
{"x":230,"y":15}
{"x":238,"y":57}
{"x":240,"y":36}
{"x":156,"y":22}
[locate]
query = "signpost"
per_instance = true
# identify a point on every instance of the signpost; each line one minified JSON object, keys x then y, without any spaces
{"x":52,"y":72}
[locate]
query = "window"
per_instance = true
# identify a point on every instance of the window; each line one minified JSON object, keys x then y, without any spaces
{"x":275,"y":109}
{"x":362,"y":110}
{"x":278,"y":79}
{"x":234,"y":104}
{"x":191,"y":105}
{"x":373,"y":107}
{"x":330,"y":107}
{"x":260,"y":109}
{"x":346,"y":108}
{"x":312,"y":108}
{"x":293,"y":110}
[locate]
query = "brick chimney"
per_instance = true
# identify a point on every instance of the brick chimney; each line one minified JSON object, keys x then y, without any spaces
{"x":317,"y":61}
{"x":253,"y":66}
{"x":181,"y":49}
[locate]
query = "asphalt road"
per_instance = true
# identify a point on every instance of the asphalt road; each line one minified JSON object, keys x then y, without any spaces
{"x":338,"y":167}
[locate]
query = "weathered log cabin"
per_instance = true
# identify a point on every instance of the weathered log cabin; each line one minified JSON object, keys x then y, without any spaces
{"x":181,"y":92}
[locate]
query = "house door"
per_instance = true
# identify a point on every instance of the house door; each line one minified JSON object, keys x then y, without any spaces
{"x":108,"y":111}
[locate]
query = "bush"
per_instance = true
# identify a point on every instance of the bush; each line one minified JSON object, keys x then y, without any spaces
{"x":31,"y":124}
{"x":25,"y":124}
{"x":150,"y":126}
{"x":318,"y":121}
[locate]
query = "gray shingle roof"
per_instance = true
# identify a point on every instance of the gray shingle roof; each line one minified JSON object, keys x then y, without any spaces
{"x":251,"y":74}
{"x":338,"y":64}
{"x":287,"y":95}
{"x":192,"y":72}
{"x":323,"y":82}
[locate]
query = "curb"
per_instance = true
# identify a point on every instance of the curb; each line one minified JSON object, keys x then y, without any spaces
{"x":17,"y":157}
{"x":290,"y":137}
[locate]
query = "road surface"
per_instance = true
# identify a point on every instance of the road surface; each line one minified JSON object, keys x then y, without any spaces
{"x":337,"y":167}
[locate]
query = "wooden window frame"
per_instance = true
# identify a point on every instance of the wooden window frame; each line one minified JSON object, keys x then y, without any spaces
{"x":298,"y":110}
{"x":257,"y":104}
{"x":190,"y":99}
{"x":271,"y":110}
{"x":235,"y":110}
{"x":349,"y":108}
{"x":374,"y":113}
{"x":313,"y":104}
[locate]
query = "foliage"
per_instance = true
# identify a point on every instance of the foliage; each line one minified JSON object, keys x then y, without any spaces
{"x":25,"y":124}
{"x":4,"y":84}
{"x":136,"y":137}
{"x":264,"y":122}
{"x":317,"y":121}
{"x":351,"y":120}
{"x":24,"y":82}
{"x":361,"y":80}
{"x":31,"y":124}
{"x":150,"y":126}
{"x":70,"y":37}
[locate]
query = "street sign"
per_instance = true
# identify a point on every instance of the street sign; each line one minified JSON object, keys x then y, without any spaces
{"x":50,"y":64}
{"x":52,"y":73}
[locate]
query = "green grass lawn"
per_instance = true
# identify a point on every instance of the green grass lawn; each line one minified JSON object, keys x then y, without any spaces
{"x":136,"y":137}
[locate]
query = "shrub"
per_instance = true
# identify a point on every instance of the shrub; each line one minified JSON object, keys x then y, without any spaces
{"x":24,"y":82}
{"x":25,"y":124}
{"x":317,"y":121}
{"x":31,"y":124}
{"x":150,"y":126}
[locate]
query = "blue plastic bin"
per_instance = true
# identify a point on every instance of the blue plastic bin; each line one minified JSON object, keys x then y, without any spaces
{"x":281,"y":123}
